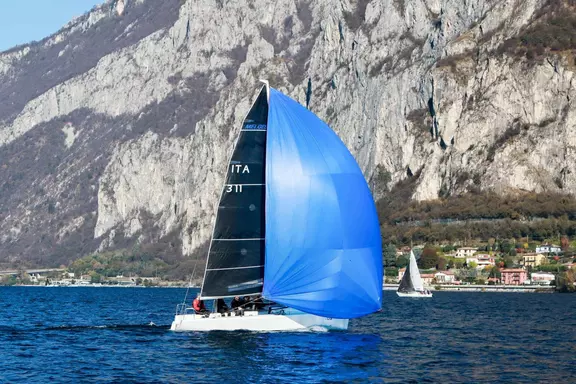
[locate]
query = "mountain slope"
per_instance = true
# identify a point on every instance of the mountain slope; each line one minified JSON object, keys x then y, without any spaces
{"x":114,"y":131}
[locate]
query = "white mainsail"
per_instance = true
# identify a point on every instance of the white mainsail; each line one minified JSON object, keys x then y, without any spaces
{"x":415,"y":274}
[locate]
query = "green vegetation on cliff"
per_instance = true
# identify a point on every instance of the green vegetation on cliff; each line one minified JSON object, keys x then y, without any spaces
{"x":140,"y":261}
{"x":552,"y":30}
{"x":485,"y":215}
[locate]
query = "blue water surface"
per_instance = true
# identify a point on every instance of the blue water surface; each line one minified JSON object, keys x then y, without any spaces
{"x":121,"y":335}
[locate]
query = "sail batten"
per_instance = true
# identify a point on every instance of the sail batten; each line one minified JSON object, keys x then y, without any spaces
{"x":235,"y":264}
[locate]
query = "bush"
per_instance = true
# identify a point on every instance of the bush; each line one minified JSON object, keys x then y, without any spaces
{"x":552,"y":30}
{"x":391,"y":272}
{"x":448,"y":248}
{"x":389,"y":255}
{"x":402,"y":261}
{"x":552,"y":268}
{"x":566,"y":282}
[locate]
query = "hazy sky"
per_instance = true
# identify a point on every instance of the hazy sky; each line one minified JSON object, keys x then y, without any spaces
{"x":22,"y":21}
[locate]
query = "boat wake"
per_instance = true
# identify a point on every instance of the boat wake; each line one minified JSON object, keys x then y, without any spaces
{"x":150,"y":325}
{"x":77,"y":328}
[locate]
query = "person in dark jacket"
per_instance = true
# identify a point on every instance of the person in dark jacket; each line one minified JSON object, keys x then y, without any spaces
{"x":221,"y":306}
{"x":259,"y":303}
{"x":248,"y":305}
{"x":236,"y":302}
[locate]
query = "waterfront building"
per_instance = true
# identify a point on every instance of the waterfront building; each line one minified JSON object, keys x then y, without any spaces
{"x":445,"y":277}
{"x":543,"y":278}
{"x":427,"y":278}
{"x":513,"y":276}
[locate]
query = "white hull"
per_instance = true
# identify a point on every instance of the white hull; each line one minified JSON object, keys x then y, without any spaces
{"x":290,"y":320}
{"x":414,"y":294}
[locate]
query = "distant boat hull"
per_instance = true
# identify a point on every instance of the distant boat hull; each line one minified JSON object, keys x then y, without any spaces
{"x":290,"y":320}
{"x":414,"y":294}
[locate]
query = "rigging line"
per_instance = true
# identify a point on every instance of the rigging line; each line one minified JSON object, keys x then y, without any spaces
{"x":189,"y":284}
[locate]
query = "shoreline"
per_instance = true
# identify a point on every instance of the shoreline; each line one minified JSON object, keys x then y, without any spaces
{"x":483,"y":288}
{"x":97,"y":286}
{"x":386,"y":287}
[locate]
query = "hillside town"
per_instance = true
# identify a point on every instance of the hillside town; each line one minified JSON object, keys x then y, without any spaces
{"x":62,"y":277}
{"x":545,"y":265}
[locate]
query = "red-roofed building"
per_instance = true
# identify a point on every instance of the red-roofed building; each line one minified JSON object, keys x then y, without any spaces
{"x":427,"y":278}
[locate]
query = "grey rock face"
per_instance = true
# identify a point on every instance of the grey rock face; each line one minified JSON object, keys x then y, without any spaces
{"x":115,"y":131}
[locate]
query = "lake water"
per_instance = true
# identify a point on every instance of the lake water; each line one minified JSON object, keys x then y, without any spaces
{"x":105,"y":335}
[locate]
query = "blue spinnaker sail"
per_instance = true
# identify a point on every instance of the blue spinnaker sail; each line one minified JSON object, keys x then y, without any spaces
{"x":323,"y":245}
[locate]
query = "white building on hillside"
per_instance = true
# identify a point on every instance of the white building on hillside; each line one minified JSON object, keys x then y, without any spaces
{"x":548,"y":248}
{"x":482,"y":261}
{"x":462,"y":253}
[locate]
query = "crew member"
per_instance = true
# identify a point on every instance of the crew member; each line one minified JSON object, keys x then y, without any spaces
{"x":248,"y":305}
{"x":221,"y":306}
{"x":236,"y":302}
{"x":198,"y":305}
{"x":259,"y":303}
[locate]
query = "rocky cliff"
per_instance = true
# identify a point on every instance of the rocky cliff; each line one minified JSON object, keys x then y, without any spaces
{"x":115,"y":130}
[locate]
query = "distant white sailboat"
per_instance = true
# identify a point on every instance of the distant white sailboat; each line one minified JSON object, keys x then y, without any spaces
{"x":296,"y":224}
{"x":411,"y":284}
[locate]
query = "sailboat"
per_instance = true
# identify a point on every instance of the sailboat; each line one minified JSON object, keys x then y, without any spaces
{"x":411,"y":284}
{"x":296,"y":224}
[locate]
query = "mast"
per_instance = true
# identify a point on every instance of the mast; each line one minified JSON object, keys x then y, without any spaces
{"x":235,"y":264}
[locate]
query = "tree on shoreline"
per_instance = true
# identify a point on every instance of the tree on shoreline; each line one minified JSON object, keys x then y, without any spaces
{"x":565,"y":281}
{"x":428,"y":259}
{"x":389,"y":255}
